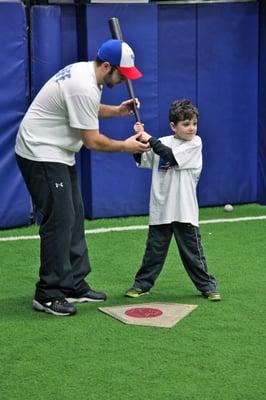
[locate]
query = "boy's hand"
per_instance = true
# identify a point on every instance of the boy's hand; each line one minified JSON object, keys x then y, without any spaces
{"x":138,"y":127}
{"x":144,"y":138}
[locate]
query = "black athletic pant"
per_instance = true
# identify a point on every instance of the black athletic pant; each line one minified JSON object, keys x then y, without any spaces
{"x":188,"y":240}
{"x":64,"y":256}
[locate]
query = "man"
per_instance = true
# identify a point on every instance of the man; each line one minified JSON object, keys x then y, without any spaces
{"x":64,"y":116}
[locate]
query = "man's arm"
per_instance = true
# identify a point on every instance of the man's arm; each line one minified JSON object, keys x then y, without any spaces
{"x":94,"y":140}
{"x":107,"y":111}
{"x":122,"y":110}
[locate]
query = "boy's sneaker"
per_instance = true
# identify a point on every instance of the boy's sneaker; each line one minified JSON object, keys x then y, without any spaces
{"x":212,"y":296}
{"x":59,"y":307}
{"x":135,"y":292}
{"x":90,"y":295}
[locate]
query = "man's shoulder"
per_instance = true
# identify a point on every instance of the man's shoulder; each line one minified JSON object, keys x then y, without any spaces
{"x":80,"y":70}
{"x":81,"y":81}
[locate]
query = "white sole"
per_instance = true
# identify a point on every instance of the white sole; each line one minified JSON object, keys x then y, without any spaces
{"x":82,"y":300}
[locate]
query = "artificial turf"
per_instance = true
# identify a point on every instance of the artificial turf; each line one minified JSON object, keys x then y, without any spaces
{"x":217,"y":352}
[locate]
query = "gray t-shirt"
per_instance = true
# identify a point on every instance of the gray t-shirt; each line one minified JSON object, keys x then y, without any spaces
{"x":69,"y":101}
{"x":173,"y":191}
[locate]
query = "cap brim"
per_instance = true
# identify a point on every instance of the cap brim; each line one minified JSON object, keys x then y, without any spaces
{"x":130,"y":73}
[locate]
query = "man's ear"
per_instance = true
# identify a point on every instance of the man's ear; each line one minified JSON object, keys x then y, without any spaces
{"x":106,"y":67}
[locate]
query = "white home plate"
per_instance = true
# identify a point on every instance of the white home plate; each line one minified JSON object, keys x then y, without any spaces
{"x":164,"y":315}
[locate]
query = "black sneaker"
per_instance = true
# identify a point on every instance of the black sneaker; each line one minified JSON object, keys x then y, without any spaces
{"x":90,"y":295}
{"x":60,"y":307}
{"x":212,"y":296}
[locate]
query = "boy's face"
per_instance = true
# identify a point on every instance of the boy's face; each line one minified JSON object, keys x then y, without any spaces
{"x":185,"y":130}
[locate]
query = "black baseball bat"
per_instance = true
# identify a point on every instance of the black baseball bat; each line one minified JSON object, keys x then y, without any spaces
{"x":116,"y":33}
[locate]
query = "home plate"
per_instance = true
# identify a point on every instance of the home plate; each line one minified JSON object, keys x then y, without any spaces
{"x":162,"y":315}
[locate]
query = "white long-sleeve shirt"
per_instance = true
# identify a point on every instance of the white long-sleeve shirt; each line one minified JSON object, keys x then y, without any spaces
{"x":173,"y":190}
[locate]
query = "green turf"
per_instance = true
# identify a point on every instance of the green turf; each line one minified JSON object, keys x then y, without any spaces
{"x":217,"y":352}
{"x":205,"y":213}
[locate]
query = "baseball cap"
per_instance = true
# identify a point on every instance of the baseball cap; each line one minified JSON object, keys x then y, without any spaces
{"x":120,"y":55}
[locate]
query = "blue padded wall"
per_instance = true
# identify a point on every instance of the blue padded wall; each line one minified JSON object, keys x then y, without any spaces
{"x":53,"y":42}
{"x":227,"y":42}
{"x":113,"y":185}
{"x":208,"y":53}
{"x":177,"y":58}
{"x":200,"y":56}
{"x":45,"y":45}
{"x":15,"y":206}
{"x":262,"y":109}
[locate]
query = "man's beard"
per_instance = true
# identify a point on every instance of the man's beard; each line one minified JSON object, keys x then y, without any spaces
{"x":108,"y":80}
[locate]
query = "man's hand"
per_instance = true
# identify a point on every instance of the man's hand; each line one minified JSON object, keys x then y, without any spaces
{"x":126,"y":107}
{"x":133,"y":145}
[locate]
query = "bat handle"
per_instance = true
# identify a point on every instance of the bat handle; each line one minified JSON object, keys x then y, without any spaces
{"x":116,"y":33}
{"x":131,"y":93}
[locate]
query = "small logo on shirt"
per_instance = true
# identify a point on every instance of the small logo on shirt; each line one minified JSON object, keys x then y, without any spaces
{"x":58,"y":185}
{"x":163,"y":165}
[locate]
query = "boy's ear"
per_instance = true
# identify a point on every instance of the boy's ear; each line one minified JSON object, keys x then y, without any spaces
{"x":172,"y":126}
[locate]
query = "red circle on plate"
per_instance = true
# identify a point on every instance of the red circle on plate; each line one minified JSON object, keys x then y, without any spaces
{"x":143,"y":312}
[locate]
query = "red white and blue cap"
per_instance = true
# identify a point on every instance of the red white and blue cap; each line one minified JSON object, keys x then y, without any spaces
{"x":120,"y":55}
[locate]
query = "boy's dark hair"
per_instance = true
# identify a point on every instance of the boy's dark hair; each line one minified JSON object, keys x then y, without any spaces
{"x":181,"y":110}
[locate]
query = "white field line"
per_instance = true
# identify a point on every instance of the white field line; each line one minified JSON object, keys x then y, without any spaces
{"x":137,"y":227}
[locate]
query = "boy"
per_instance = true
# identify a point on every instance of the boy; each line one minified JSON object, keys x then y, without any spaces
{"x":176,"y":163}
